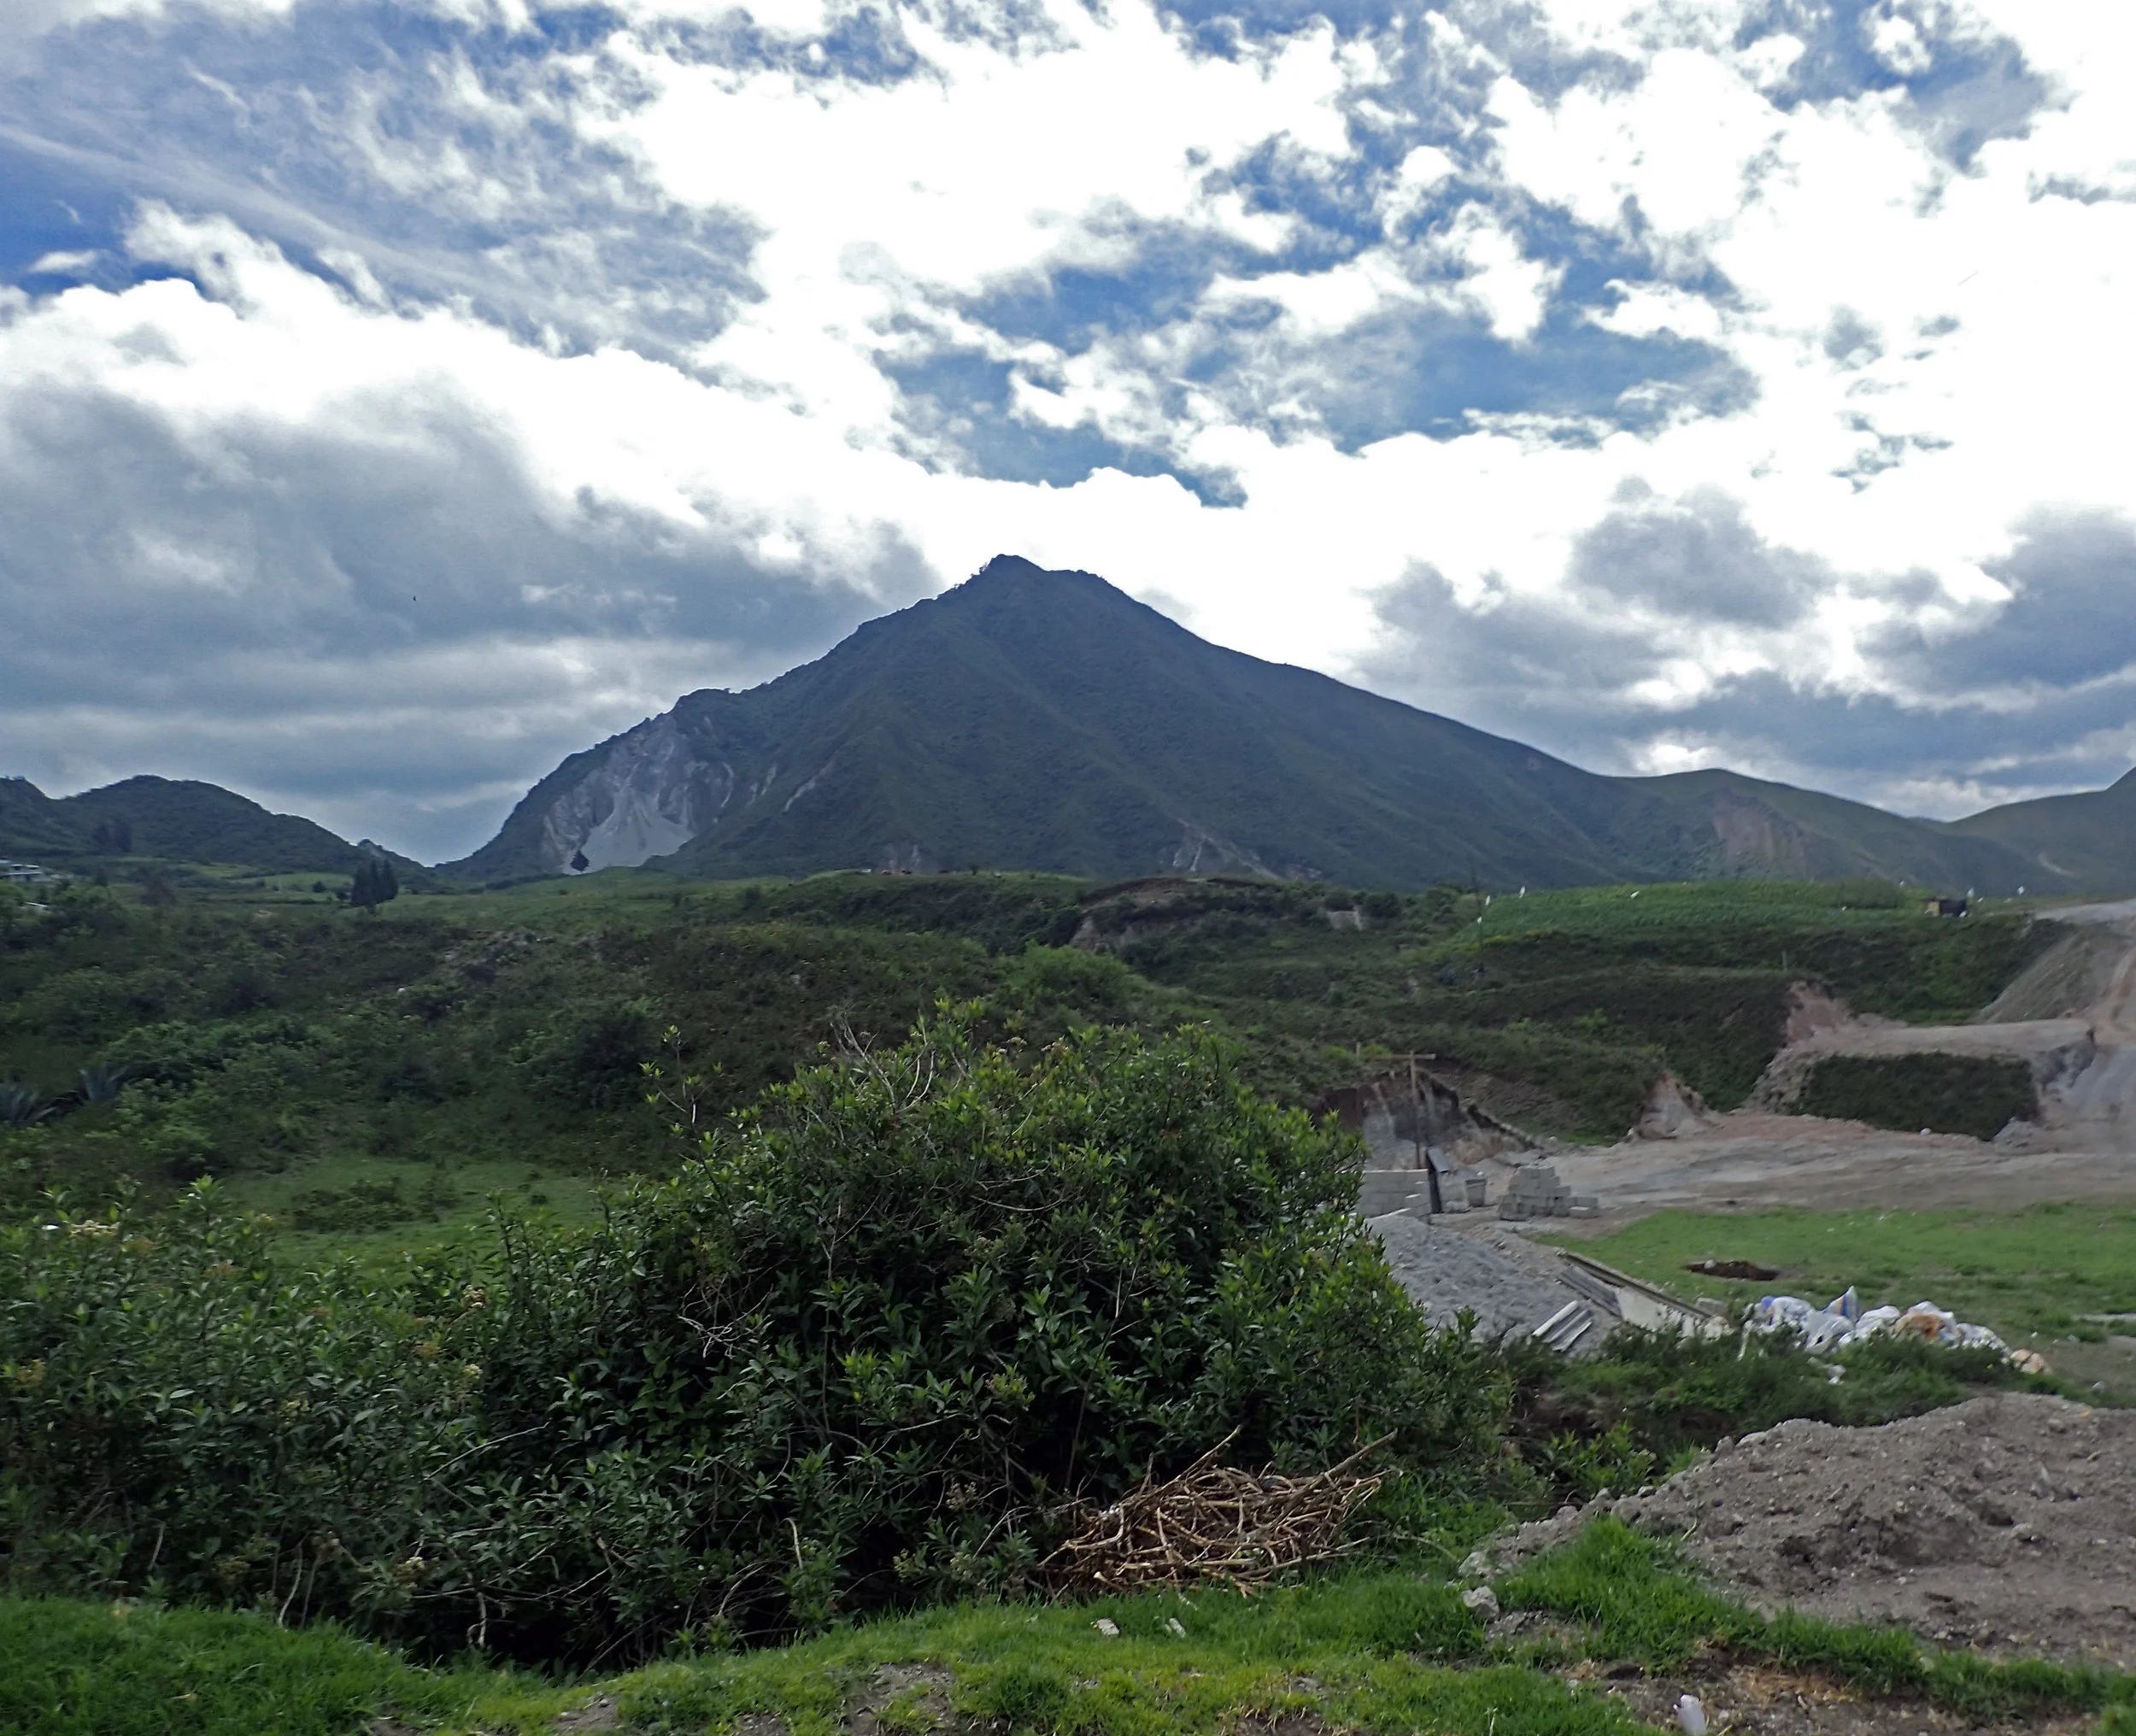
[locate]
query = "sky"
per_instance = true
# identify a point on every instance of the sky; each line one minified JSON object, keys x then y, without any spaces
{"x":396,"y":396}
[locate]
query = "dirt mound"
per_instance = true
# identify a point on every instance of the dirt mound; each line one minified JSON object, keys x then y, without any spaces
{"x":2008,"y":1523}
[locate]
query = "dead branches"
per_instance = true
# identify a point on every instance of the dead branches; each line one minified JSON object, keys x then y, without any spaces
{"x":1213,"y":1521}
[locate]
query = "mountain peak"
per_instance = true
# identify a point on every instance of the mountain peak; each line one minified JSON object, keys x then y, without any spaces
{"x":1042,"y":718}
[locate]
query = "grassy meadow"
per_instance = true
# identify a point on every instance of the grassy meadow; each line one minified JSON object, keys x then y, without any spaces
{"x":2040,"y":1277}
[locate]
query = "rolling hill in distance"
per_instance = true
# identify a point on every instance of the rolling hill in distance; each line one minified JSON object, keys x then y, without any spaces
{"x":1039,"y":719}
{"x":172,"y":820}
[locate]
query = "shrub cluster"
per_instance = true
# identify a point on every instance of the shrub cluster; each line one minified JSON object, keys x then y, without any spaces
{"x":864,"y":1347}
{"x":1975,"y":1095}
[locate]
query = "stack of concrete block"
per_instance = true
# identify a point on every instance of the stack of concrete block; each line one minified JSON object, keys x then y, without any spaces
{"x":1536,"y":1192}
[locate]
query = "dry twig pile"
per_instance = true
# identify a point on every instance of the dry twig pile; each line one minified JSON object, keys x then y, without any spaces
{"x":1214,"y":1522}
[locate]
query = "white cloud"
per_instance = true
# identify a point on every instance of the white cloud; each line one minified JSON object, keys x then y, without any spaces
{"x":1932,"y":354}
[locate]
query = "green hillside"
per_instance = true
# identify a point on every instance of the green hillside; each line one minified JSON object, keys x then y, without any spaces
{"x":2086,"y":839}
{"x":1746,"y":824}
{"x":1040,"y":720}
{"x":33,"y":825}
{"x":361,"y":1074}
{"x":163,"y":820}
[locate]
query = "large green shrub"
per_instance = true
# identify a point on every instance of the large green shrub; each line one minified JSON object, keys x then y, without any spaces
{"x":864,"y":1347}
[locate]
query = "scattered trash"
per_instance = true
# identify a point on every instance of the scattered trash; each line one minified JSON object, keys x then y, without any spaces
{"x":1691,"y":1715}
{"x":1482,"y":1600}
{"x":1841,"y":1321}
{"x":1172,"y":1623}
{"x":1106,"y":1626}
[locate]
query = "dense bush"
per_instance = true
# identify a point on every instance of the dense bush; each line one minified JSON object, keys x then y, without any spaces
{"x":864,"y":1348}
{"x":1975,"y":1095}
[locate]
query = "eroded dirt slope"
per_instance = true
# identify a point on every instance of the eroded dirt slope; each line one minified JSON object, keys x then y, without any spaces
{"x":2008,"y":1524}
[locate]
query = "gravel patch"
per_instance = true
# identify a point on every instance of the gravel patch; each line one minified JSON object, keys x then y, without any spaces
{"x":1512,"y":1288}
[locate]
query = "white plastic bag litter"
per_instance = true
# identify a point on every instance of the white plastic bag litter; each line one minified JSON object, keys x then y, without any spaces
{"x":1821,"y":1327}
{"x":1842,"y":1322}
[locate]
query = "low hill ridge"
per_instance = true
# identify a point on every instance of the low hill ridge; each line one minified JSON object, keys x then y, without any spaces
{"x":171,"y":819}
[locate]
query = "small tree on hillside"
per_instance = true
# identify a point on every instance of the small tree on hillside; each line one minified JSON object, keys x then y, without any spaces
{"x":375,"y":883}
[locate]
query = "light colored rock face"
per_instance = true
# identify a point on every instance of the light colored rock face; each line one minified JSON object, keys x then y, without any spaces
{"x":1670,"y":1110}
{"x":1750,"y":835}
{"x":648,"y":795}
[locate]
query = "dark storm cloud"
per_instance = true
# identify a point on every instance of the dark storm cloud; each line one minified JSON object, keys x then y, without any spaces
{"x":328,"y":611}
{"x":1696,"y":559}
{"x":1565,"y":675}
{"x":1511,"y":663}
{"x":2070,"y":619}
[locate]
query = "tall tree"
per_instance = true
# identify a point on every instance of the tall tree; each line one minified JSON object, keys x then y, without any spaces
{"x":375,"y":883}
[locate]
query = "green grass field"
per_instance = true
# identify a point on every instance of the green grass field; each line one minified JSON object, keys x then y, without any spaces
{"x":2033,"y":1274}
{"x":1393,"y":1652}
{"x":68,"y":1668}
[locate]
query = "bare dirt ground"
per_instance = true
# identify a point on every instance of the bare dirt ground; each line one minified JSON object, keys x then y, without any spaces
{"x":1756,"y":1701}
{"x":2007,"y":1525}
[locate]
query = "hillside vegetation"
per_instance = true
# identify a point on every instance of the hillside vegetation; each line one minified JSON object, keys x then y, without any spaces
{"x":882,"y":1316}
{"x":362,"y":1073}
{"x":123,"y":829}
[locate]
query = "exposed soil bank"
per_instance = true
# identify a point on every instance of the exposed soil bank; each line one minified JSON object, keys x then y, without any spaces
{"x":2008,"y":1524}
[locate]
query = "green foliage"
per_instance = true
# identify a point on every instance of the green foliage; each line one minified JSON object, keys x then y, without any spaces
{"x":1003,"y":913}
{"x":22,"y":1105}
{"x":374,"y":884}
{"x":1391,"y":1652}
{"x":863,"y":1349}
{"x":1607,"y":1420}
{"x":1975,"y":1095}
{"x":368,"y":1206}
{"x":486,"y":1028}
{"x":1583,"y":1466}
{"x":260,"y":1042}
{"x":593,"y":1055}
